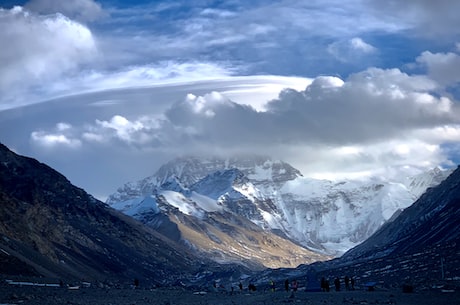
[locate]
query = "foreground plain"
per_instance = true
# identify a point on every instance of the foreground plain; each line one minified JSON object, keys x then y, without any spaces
{"x":173,"y":296}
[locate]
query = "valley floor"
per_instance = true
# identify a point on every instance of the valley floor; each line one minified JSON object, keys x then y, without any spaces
{"x":164,"y":296}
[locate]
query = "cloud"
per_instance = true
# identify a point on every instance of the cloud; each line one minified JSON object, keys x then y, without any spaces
{"x":442,"y":67}
{"x":363,"y":110}
{"x":164,"y":72}
{"x":60,"y":137}
{"x":40,"y":49}
{"x":82,"y":10}
{"x":351,"y":50}
{"x":431,"y":19}
{"x":359,"y":45}
{"x":376,"y":122}
{"x":167,"y":42}
{"x":139,"y":132}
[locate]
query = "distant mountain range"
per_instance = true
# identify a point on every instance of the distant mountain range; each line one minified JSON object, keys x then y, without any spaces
{"x":191,"y":196}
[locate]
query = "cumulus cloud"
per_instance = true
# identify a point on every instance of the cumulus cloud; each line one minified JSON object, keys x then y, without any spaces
{"x":62,"y":136}
{"x":82,"y":10}
{"x":40,"y":49}
{"x":140,"y":131}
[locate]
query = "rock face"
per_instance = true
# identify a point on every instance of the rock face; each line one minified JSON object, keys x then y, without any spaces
{"x":49,"y":227}
{"x":323,"y":216}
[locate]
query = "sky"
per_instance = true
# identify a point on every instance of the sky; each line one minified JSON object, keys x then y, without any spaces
{"x":107,"y":91}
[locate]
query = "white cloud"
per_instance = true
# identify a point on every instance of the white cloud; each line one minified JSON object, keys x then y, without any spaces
{"x":166,"y":72}
{"x":352,"y":50}
{"x":143,"y":132}
{"x":63,"y":126}
{"x":219,"y":13}
{"x":83,"y":10}
{"x":63,"y":135}
{"x":359,"y":45}
{"x":122,"y":127}
{"x":40,"y":49}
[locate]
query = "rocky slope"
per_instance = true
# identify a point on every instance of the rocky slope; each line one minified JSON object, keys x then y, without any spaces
{"x":48,"y":227}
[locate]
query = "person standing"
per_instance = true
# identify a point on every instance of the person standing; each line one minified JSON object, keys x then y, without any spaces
{"x":347,"y":282}
{"x":337,"y":284}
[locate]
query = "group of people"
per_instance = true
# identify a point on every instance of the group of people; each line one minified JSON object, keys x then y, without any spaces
{"x":294,"y":285}
{"x":349,"y":283}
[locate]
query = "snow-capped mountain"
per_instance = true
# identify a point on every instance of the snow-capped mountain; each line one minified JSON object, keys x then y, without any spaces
{"x":262,"y":171}
{"x":221,"y":215}
{"x":325,"y":216}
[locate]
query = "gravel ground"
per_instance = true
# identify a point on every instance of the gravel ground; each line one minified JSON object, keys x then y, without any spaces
{"x":164,"y":296}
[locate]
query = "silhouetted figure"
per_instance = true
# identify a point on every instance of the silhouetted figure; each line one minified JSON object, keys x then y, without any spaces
{"x":337,"y":284}
{"x":324,"y":284}
{"x":286,"y":285}
{"x":252,"y":287}
{"x":347,"y":282}
{"x":241,"y":286}
{"x":136,"y":283}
